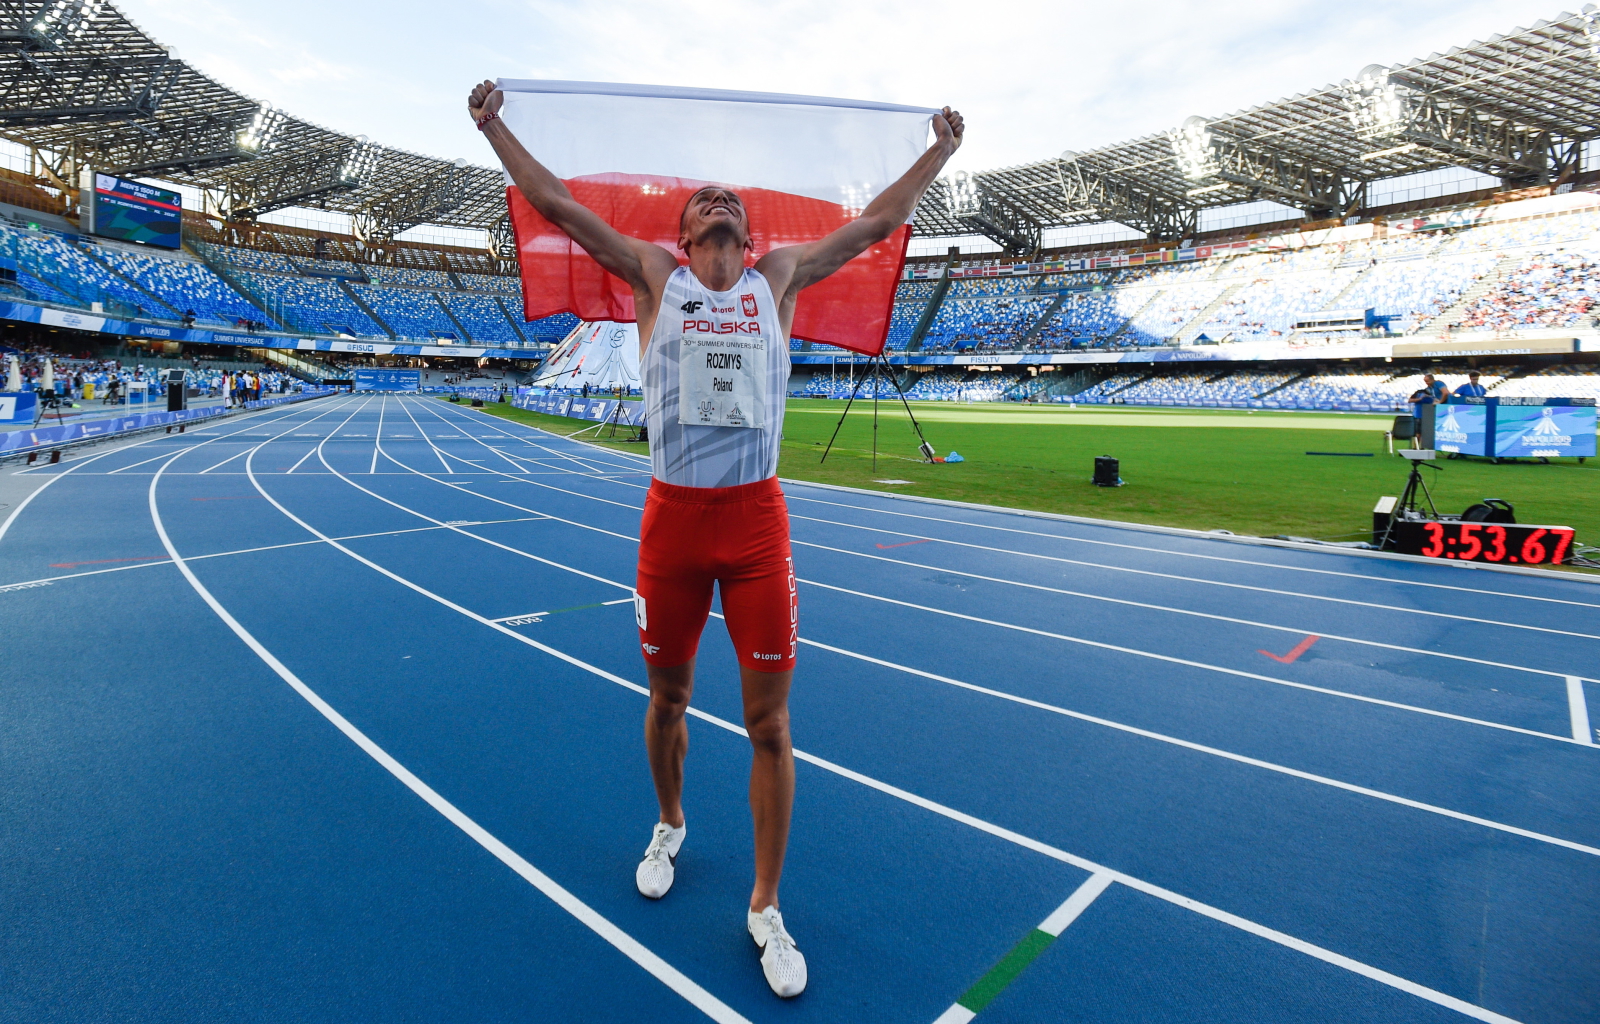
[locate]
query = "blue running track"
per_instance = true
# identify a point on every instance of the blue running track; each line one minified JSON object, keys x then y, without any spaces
{"x":333,"y":713}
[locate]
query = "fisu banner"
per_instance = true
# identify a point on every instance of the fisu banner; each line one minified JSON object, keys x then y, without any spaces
{"x":634,"y":154}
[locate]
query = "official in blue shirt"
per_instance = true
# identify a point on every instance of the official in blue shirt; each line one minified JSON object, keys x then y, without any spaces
{"x":1472,"y":389}
{"x":1432,"y":392}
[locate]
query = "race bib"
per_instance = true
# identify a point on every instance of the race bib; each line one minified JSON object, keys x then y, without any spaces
{"x":721,"y":380}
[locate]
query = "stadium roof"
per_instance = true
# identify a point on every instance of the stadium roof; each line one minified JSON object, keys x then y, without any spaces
{"x":85,"y":86}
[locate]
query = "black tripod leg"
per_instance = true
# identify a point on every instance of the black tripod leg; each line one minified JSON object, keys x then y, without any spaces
{"x":836,"y":426}
{"x":877,"y":370}
{"x":913,"y":416}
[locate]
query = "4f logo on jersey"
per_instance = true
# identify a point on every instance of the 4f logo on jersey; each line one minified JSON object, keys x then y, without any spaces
{"x":693,"y":306}
{"x":749,"y":304}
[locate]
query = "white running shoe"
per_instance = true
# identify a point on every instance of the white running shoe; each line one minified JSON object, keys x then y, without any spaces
{"x":781,"y":962}
{"x":655,"y":873}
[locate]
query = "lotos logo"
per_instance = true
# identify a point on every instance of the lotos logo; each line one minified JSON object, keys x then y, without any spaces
{"x":749,"y":304}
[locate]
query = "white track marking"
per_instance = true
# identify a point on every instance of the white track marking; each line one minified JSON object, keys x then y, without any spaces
{"x":464,"y":532}
{"x":1058,"y":921}
{"x":6,"y":526}
{"x":47,"y":580}
{"x":141,"y":462}
{"x":303,"y":458}
{"x":1241,"y":758}
{"x":1179,"y":611}
{"x":624,"y":943}
{"x":224,"y":462}
{"x":1092,"y":643}
{"x":1076,"y":904}
{"x":1325,"y":955}
{"x":594,"y":468}
{"x":1204,"y":615}
{"x":1173,"y":576}
{"x":1133,"y":730}
{"x":382,"y":407}
{"x":1578,"y":708}
{"x":1095,"y":524}
{"x":1149,"y":654}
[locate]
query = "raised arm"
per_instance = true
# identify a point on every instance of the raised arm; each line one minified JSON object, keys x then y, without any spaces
{"x":644,"y":265}
{"x":799,"y":266}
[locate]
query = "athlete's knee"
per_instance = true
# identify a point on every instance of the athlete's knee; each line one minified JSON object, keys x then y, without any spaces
{"x":670,"y":690}
{"x":768,"y":729}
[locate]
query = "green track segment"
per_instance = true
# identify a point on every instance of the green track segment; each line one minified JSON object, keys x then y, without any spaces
{"x":986,"y":988}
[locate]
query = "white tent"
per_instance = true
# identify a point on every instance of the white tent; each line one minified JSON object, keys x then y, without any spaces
{"x":601,"y":354}
{"x":13,"y":374}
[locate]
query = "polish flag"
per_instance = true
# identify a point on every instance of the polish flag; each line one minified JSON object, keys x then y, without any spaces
{"x":634,"y":154}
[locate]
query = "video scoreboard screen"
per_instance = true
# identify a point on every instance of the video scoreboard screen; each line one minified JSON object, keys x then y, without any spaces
{"x":133,"y":212}
{"x":1550,"y":428}
{"x":388,"y":380}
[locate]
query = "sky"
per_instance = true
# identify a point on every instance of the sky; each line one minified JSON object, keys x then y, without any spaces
{"x":1034,"y":81}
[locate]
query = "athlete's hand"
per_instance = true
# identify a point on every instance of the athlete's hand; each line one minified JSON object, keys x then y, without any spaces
{"x":485,"y":99}
{"x":948,"y":128}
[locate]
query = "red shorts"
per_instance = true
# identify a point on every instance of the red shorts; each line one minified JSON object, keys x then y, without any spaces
{"x":736,"y":537}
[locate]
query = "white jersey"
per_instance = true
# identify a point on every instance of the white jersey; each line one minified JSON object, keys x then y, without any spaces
{"x":714,"y":377}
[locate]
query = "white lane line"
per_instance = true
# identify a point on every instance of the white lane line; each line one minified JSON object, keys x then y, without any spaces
{"x":382,"y":405}
{"x":626,"y":944}
{"x":1578,"y":708}
{"x":142,"y":462}
{"x":45,"y":581}
{"x":1254,"y":762}
{"x":1076,"y":904}
{"x":593,"y":467}
{"x":1149,"y":654}
{"x":1133,"y":730}
{"x":1173,"y":576}
{"x":243,"y":426}
{"x":1240,"y":673}
{"x":1178,"y":611}
{"x":224,"y":462}
{"x":1161,"y":551}
{"x":303,"y":458}
{"x":1325,"y":955}
{"x":1053,"y":926}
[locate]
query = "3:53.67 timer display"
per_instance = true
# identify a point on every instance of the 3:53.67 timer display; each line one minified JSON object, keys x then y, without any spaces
{"x":1485,"y":542}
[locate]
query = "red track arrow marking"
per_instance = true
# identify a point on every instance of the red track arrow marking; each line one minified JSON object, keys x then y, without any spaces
{"x":1299,"y":649}
{"x":906,"y":544}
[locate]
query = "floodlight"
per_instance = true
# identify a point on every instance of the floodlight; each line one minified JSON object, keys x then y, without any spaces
{"x":961,"y":194}
{"x":61,"y":22}
{"x":257,"y":136}
{"x":1192,"y":145}
{"x":360,"y":162}
{"x":1218,"y":187}
{"x":1391,"y":151}
{"x":1379,"y":108}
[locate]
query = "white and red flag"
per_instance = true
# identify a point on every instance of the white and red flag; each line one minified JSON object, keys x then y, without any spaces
{"x":634,"y":154}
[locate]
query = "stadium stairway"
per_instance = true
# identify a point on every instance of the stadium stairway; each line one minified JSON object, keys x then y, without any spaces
{"x":1189,"y":331}
{"x":233,"y":281}
{"x":1116,"y":335}
{"x":1044,"y":319}
{"x":516,"y":324}
{"x":1131,"y":384}
{"x":1302,"y":375}
{"x":466,"y":335}
{"x":1349,"y":288}
{"x":1448,"y":316}
{"x":930,"y":311}
{"x":344,"y":286}
{"x":160,"y":303}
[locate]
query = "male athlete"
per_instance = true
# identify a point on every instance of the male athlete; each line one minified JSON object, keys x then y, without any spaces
{"x":714,"y":353}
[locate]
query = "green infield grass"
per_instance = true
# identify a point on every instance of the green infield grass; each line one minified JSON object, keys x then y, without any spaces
{"x":1247,"y":472}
